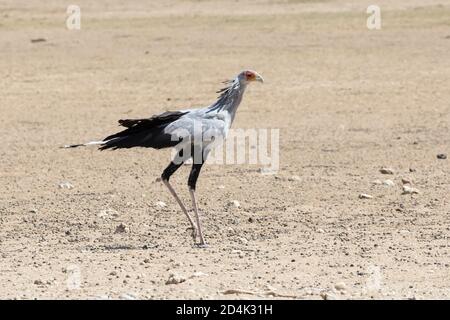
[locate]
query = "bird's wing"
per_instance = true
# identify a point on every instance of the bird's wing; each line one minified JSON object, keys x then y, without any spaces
{"x":138,"y":125}
{"x":198,"y":125}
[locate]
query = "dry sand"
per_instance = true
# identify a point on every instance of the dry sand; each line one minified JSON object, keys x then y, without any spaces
{"x":347,"y":101}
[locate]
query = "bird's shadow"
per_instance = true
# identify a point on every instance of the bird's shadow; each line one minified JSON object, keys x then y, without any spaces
{"x":119,"y":247}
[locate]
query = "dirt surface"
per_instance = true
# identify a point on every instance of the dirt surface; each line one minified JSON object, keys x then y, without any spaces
{"x":347,"y":100}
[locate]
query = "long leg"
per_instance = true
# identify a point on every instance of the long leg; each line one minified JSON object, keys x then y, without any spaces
{"x":193,"y":176}
{"x":171,"y":168}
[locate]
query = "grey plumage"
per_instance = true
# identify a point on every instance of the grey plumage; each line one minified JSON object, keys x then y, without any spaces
{"x":186,"y":130}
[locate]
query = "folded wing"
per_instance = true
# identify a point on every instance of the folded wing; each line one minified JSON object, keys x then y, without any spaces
{"x":144,"y":132}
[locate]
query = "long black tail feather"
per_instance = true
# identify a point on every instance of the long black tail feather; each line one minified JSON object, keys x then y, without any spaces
{"x":143,"y":132}
{"x":147,"y":133}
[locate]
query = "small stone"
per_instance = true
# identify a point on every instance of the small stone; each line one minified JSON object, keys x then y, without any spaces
{"x":320,"y":230}
{"x":234,"y":203}
{"x":365,"y":196}
{"x":377,"y":181}
{"x":122,"y":228}
{"x":65,"y":185}
{"x":294,"y":178}
{"x":406,"y":181}
{"x":410,"y":190}
{"x":387,"y":171}
{"x":442,"y":156}
{"x":113,"y":273}
{"x":389,"y":183}
{"x":33,"y":211}
{"x":161,"y":204}
{"x":412,"y":170}
{"x":221,"y":187}
{"x":251,"y":220}
{"x":175,"y":279}
{"x":38,"y":282}
{"x":340,"y":286}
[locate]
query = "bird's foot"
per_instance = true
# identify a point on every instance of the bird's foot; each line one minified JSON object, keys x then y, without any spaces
{"x":203,"y":245}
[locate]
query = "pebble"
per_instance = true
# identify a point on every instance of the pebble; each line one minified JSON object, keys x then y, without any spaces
{"x":122,"y":228}
{"x":365,"y":196}
{"x":294,"y":178}
{"x":389,"y":183}
{"x":406,"y":181}
{"x":65,"y":185}
{"x":38,"y":282}
{"x":442,"y":156}
{"x":161,"y":204}
{"x":320,"y":230}
{"x":377,"y":181}
{"x":175,"y":278}
{"x":340,"y":286}
{"x":387,"y":171}
{"x":410,"y":190}
{"x":234,"y":203}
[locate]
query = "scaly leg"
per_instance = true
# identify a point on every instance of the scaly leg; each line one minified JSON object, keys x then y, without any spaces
{"x":202,"y":243}
{"x":193,"y":176}
{"x":165,"y":178}
{"x":183,"y":208}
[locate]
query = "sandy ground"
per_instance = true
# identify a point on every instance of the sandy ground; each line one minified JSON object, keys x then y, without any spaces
{"x":347,"y":101}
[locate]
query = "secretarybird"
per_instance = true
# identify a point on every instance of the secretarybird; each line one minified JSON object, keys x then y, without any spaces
{"x":192,"y":132}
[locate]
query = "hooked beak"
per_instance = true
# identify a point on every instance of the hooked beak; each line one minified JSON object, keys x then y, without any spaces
{"x":259,"y":78}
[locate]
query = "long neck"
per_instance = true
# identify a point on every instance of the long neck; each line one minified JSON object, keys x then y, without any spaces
{"x":229,"y":99}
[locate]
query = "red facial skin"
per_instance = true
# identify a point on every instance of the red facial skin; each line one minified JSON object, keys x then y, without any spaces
{"x":250,"y":76}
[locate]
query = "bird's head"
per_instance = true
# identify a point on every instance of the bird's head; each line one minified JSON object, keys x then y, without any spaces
{"x":248,"y":76}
